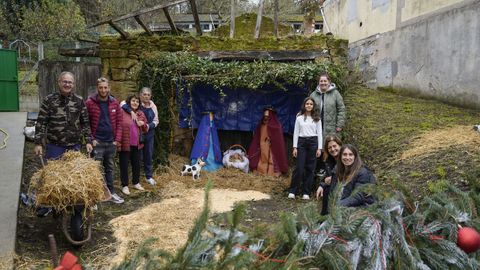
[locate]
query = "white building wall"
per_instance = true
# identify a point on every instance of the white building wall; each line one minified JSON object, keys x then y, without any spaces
{"x":430,"y":47}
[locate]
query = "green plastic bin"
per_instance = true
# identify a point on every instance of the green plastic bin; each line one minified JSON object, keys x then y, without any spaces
{"x":8,"y":81}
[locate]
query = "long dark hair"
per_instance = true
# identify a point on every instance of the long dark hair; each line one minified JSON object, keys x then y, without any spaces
{"x":314,"y":114}
{"x":129,"y":99}
{"x":329,"y":138}
{"x":344,"y":173}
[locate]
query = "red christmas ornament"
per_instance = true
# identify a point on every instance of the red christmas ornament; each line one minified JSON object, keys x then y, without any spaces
{"x":468,"y":239}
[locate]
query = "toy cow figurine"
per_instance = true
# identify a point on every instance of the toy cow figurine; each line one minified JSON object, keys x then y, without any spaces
{"x":194,"y":170}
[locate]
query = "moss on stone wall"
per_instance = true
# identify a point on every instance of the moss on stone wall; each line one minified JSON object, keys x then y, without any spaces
{"x":121,"y":58}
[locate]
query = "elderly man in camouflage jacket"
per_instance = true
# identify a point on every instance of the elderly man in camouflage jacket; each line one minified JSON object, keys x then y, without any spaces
{"x":62,"y":121}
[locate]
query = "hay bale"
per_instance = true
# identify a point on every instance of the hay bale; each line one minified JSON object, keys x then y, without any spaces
{"x":74,"y":179}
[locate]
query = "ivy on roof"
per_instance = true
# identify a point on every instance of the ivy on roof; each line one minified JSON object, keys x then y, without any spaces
{"x":237,"y":74}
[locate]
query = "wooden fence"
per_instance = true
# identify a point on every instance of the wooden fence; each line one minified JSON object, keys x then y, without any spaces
{"x":86,"y":75}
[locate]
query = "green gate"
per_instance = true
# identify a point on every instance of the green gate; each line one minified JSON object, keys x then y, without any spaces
{"x":8,"y":81}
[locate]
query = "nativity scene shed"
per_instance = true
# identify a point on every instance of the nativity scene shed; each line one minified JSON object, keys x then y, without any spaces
{"x":233,"y":77}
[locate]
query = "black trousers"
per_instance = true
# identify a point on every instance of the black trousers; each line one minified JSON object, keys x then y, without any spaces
{"x":305,"y":168}
{"x":326,"y":195}
{"x":132,"y":156}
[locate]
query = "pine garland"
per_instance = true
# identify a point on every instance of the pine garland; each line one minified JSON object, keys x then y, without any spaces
{"x":386,"y":235}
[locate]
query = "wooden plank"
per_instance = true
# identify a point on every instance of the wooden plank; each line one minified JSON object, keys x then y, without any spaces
{"x":86,"y":75}
{"x":139,"y":21}
{"x":290,"y":55}
{"x":259,"y":19}
{"x":82,"y":52}
{"x":118,"y":29}
{"x":170,"y":20}
{"x":193,"y":5}
{"x":232,"y":18}
{"x":137,"y":13}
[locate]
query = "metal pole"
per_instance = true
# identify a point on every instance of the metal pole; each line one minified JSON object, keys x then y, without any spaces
{"x":324,"y":19}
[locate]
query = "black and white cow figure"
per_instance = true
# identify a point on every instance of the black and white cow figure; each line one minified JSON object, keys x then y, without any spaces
{"x":194,"y":170}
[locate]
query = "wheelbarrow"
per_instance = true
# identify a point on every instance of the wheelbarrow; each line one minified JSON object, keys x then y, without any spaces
{"x":75,"y":233}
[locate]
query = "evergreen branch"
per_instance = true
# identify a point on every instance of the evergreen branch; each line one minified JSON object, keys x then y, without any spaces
{"x":185,"y":255}
{"x":234,"y":220}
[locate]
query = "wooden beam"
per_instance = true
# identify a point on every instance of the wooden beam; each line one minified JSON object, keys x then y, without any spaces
{"x":193,"y":5}
{"x":139,"y":21}
{"x":290,"y":55}
{"x":259,"y":19}
{"x":82,"y":52}
{"x":118,"y":29}
{"x":232,"y":18}
{"x":170,"y":20}
{"x":137,"y":13}
{"x":88,"y":40}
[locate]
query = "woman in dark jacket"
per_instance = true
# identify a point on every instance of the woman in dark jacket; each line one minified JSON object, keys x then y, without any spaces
{"x":331,"y":149}
{"x":352,"y":174}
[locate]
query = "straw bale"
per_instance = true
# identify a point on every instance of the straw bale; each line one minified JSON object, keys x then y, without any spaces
{"x":71,"y":180}
{"x":171,"y":219}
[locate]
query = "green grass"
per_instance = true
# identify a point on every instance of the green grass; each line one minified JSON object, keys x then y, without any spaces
{"x":382,"y":124}
{"x":30,"y":88}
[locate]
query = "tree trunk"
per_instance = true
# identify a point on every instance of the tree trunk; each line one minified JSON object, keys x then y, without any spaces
{"x":309,"y":23}
{"x":232,"y":18}
{"x":259,"y":19}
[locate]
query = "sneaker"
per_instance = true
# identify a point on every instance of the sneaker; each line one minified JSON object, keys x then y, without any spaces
{"x":116,"y":199}
{"x":291,"y":196}
{"x":125,"y":190}
{"x":138,"y":186}
{"x":43,"y":211}
{"x":305,"y":197}
{"x":151,"y":181}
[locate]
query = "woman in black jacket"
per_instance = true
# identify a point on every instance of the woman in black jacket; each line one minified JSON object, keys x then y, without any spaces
{"x":352,"y":174}
{"x":331,"y":148}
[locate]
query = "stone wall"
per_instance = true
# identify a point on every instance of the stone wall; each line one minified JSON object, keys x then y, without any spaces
{"x":121,"y":59}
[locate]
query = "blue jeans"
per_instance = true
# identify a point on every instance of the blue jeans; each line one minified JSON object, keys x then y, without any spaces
{"x":105,"y":153}
{"x":147,"y":155}
{"x":306,"y":162}
{"x":54,"y":151}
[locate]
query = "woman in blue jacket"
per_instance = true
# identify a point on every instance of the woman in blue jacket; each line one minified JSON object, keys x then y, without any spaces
{"x":352,"y":174}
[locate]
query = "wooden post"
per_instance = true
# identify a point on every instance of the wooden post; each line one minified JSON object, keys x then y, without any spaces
{"x":259,"y":19}
{"x":275,"y":18}
{"x":170,"y":20}
{"x":143,"y":25}
{"x":195,"y":17}
{"x":118,"y":29}
{"x":53,"y":250}
{"x":232,"y":18}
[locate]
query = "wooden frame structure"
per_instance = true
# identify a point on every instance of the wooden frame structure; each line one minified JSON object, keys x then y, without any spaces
{"x":136,"y":15}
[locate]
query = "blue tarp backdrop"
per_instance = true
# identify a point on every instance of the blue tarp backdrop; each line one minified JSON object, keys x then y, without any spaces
{"x":240,"y":109}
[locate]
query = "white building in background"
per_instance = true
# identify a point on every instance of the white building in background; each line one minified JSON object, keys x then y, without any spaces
{"x":208,"y":22}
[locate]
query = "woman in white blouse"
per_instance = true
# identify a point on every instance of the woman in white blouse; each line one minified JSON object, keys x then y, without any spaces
{"x":307,"y":146}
